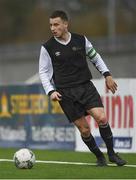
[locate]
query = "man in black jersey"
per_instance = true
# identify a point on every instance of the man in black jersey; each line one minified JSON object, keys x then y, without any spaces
{"x":66,"y":78}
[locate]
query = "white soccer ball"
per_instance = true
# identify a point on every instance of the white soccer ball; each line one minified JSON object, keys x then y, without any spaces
{"x":24,"y":158}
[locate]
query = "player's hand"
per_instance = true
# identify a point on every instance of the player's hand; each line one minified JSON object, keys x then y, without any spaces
{"x":111,"y":84}
{"x":55,"y":96}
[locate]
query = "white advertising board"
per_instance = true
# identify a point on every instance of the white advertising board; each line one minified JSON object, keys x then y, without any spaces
{"x":120,"y":111}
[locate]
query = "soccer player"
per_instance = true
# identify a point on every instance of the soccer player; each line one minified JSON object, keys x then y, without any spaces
{"x":66,"y":78}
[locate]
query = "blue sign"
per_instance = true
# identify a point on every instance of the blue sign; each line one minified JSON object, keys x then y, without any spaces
{"x":119,"y":142}
{"x":29,"y":119}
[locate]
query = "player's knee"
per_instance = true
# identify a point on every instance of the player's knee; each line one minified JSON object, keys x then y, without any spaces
{"x":101,"y":120}
{"x":85,"y":131}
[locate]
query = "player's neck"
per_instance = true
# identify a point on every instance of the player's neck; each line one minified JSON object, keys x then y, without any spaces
{"x":65,"y":37}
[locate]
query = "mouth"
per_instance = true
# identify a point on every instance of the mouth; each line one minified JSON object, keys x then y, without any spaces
{"x":54,"y":33}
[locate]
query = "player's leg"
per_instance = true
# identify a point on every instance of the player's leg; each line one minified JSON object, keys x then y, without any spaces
{"x":99,"y":115}
{"x":75,"y":111}
{"x":89,"y":140}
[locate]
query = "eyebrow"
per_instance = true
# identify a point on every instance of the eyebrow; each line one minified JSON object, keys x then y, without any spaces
{"x":54,"y":23}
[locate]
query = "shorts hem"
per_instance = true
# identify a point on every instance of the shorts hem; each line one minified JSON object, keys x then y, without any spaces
{"x":74,"y":119}
{"x":94,"y":106}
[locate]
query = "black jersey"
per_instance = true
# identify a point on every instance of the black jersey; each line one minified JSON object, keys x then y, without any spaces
{"x":70,"y":67}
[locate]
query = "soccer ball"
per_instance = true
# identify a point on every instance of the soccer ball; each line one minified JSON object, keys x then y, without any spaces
{"x":24,"y":158}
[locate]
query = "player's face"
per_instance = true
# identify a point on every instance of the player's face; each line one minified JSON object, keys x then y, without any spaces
{"x":58,"y":27}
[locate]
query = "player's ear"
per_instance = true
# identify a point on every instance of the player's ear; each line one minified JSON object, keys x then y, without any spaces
{"x":66,"y":23}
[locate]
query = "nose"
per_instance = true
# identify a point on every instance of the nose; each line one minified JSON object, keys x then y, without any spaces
{"x":52,"y":28}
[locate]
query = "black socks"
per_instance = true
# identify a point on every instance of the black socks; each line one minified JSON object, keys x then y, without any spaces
{"x":90,"y":142}
{"x":106,"y":134}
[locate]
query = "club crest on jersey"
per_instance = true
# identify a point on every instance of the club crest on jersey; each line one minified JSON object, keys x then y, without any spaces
{"x":57,"y":53}
{"x":76,"y":48}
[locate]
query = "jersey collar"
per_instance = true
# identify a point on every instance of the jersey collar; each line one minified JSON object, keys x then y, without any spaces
{"x":62,"y":42}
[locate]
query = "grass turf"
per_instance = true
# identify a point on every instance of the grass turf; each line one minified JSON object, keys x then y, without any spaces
{"x":65,"y":171}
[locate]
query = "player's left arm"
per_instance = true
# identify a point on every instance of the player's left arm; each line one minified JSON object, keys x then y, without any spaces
{"x":99,"y":64}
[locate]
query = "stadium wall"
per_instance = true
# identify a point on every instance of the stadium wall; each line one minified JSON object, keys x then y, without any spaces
{"x":17,"y":71}
{"x":20,"y":62}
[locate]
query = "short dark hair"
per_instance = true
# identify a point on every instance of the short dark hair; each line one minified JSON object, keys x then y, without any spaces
{"x":60,"y":14}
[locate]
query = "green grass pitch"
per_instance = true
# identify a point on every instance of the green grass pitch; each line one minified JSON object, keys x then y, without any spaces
{"x":65,"y":171}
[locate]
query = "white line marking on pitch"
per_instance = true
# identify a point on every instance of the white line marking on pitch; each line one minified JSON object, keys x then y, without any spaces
{"x":71,"y":163}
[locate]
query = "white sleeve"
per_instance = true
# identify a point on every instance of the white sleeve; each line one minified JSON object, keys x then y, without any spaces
{"x":46,"y":70}
{"x":95,"y":58}
{"x":88,"y":45}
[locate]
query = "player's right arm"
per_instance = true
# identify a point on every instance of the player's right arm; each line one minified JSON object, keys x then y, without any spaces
{"x":46,"y":73}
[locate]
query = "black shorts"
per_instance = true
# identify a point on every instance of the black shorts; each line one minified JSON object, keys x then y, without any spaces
{"x":77,"y":100}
